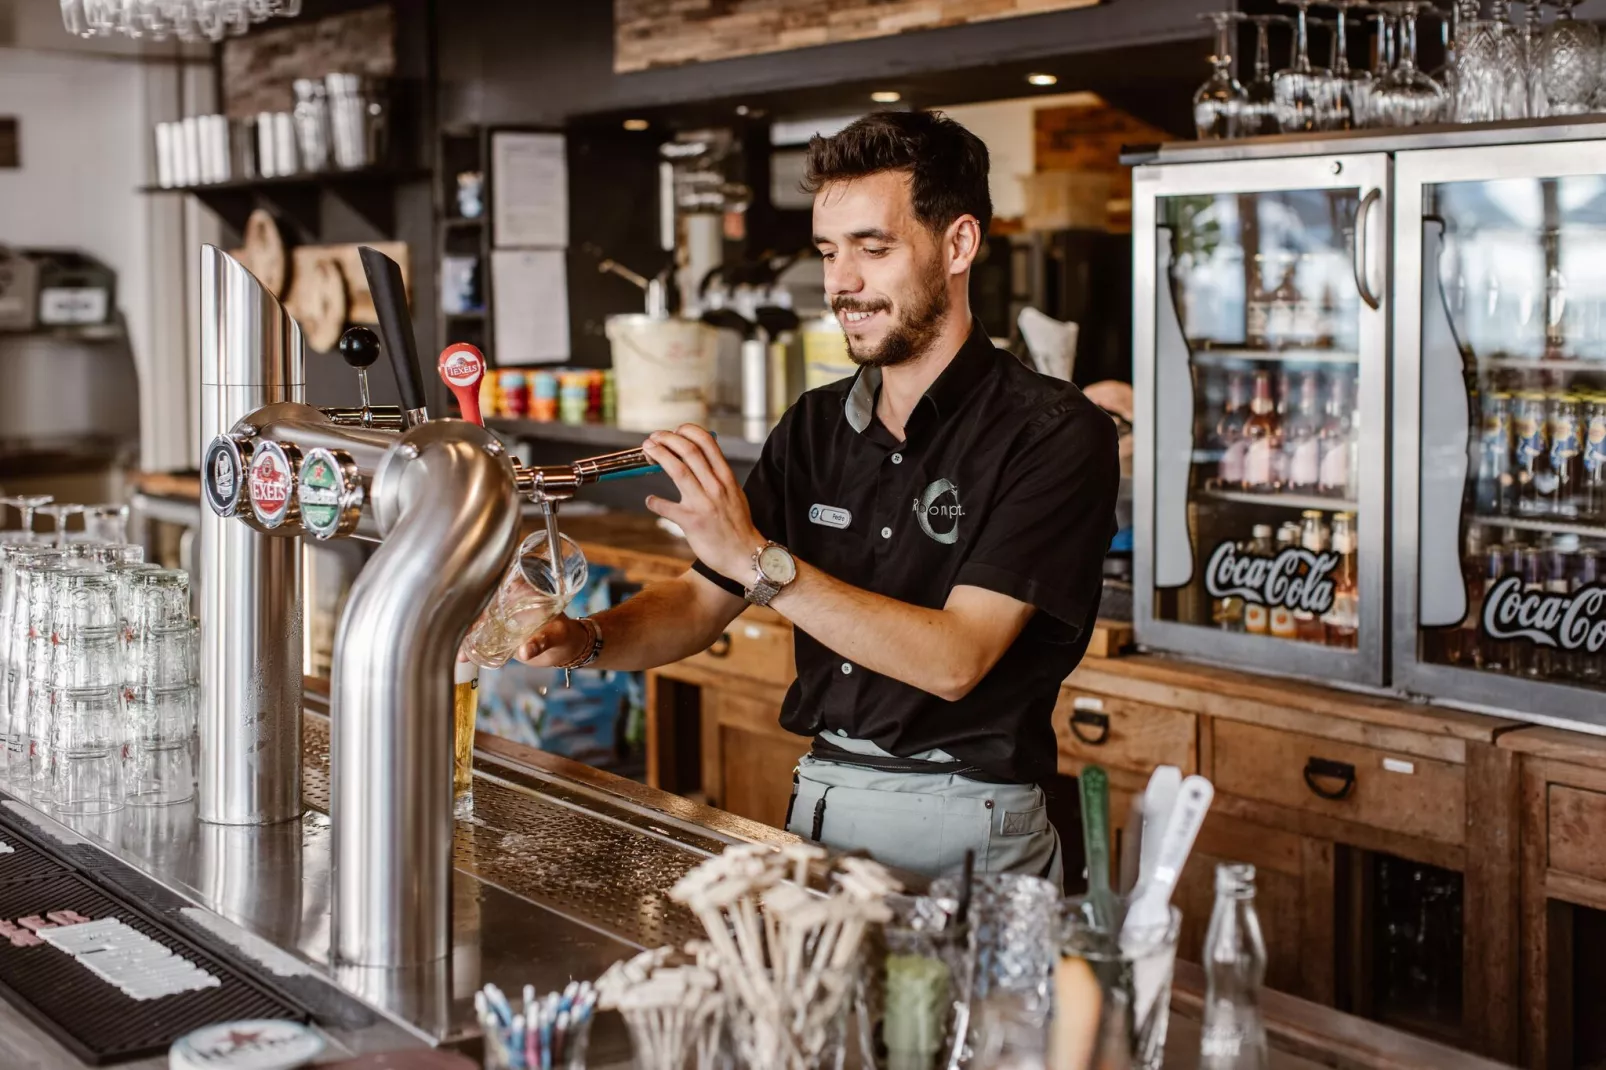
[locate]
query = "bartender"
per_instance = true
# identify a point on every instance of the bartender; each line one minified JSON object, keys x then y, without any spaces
{"x":934,"y":527}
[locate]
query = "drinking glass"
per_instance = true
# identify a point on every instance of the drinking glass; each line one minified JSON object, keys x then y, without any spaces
{"x":1132,"y":969}
{"x":1571,"y":62}
{"x":106,"y":523}
{"x":87,"y":662}
{"x":74,"y":19}
{"x":1217,"y":103}
{"x":85,"y":605}
{"x":1515,"y":57}
{"x":1258,"y":116}
{"x":29,"y":576}
{"x":1406,"y":96}
{"x":12,"y":558}
{"x":1012,"y":919}
{"x":160,"y":767}
{"x":164,"y":657}
{"x":1349,"y":87}
{"x":1533,"y":49}
{"x":1299,"y":87}
{"x":87,"y":748}
{"x":26,"y":505}
{"x":1479,"y":79}
{"x":156,"y":598}
{"x":59,"y":512}
{"x":528,"y":597}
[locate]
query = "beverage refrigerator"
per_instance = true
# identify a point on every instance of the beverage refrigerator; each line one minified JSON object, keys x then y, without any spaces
{"x":1373,"y":371}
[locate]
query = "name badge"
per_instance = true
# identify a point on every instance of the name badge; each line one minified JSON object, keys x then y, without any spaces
{"x":829,"y":516}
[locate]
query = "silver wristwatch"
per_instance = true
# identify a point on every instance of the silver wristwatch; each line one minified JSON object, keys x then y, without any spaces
{"x":773,"y":568}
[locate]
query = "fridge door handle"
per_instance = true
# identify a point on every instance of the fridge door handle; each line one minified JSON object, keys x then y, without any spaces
{"x":1446,"y":430}
{"x":1361,"y":253}
{"x":1173,"y":425}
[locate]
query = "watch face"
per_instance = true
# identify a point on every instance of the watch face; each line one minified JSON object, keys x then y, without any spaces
{"x":777,"y":565}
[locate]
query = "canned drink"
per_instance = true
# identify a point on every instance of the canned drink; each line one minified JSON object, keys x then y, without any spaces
{"x":1536,"y":485}
{"x":491,"y":394}
{"x":1592,"y":487}
{"x":594,"y":385}
{"x":574,"y":394}
{"x":515,"y":394}
{"x":543,"y":396}
{"x":1566,"y":448}
{"x":1495,"y":482}
{"x":610,"y":397}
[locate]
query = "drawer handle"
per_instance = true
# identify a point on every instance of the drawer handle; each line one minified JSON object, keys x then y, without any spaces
{"x":1327,"y":768}
{"x":721,"y":647}
{"x":1100,"y":722}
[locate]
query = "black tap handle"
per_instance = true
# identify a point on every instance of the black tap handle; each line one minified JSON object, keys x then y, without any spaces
{"x":395,"y":324}
{"x":359,"y":346}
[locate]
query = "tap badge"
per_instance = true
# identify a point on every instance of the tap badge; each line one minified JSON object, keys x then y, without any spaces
{"x":462,"y":367}
{"x":321,"y":490}
{"x":270,"y":484}
{"x":221,"y":474}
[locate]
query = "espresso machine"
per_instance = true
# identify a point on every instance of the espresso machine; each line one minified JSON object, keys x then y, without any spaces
{"x":442,"y":498}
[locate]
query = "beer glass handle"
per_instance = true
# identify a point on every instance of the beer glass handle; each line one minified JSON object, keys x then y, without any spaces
{"x":1361,"y":252}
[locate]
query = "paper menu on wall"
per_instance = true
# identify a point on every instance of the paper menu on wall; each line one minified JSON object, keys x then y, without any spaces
{"x":529,"y":191}
{"x":531,"y":288}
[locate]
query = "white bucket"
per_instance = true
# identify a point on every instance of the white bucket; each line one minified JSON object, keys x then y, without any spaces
{"x":663,"y":370}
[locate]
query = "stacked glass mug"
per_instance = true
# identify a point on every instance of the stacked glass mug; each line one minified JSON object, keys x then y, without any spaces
{"x":98,"y":666}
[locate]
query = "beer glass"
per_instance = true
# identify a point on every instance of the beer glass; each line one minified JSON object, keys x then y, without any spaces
{"x":26,"y":505}
{"x":160,"y":767}
{"x":106,"y":523}
{"x":528,"y":597}
{"x":86,"y":774}
{"x":465,"y":704}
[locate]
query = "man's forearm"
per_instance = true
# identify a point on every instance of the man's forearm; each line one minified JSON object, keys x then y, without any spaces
{"x":663,"y":623}
{"x":924,"y":648}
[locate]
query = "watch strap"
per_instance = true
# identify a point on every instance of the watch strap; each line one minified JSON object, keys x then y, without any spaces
{"x":594,"y":630}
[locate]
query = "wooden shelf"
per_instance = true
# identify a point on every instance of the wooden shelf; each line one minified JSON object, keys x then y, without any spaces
{"x":298,"y":199}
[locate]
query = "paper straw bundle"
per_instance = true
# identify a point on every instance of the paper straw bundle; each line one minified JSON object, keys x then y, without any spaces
{"x":671,"y":1004}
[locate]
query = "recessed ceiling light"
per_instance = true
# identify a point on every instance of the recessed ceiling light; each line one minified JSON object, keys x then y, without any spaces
{"x":741,"y":109}
{"x":636,"y":124}
{"x":1042,"y":79}
{"x":886,"y":96}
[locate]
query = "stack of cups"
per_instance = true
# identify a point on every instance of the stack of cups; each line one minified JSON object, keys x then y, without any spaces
{"x":19,"y":568}
{"x":162,"y":692}
{"x":83,"y":758}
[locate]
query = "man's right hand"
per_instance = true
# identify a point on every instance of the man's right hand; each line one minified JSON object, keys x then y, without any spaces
{"x":561,"y":641}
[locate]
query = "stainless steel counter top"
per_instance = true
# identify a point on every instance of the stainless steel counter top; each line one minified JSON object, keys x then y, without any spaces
{"x":561,"y":871}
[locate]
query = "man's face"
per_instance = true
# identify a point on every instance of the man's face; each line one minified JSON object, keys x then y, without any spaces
{"x":885,"y":274}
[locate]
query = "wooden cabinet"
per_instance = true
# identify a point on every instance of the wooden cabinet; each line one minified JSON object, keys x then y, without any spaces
{"x":747,"y":757}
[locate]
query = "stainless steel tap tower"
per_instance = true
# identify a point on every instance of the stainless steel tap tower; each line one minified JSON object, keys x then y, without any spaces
{"x":443,"y":497}
{"x":250,"y":718}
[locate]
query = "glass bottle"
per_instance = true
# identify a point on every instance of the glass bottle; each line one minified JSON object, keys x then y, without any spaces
{"x":1343,"y":621}
{"x":1562,"y":416}
{"x":1592,"y":490}
{"x":1559,"y":557}
{"x":1524,"y":652}
{"x":1282,"y":616}
{"x":1233,"y":1037}
{"x":1257,"y":618}
{"x":1263,"y":437}
{"x":1494,"y":461}
{"x":1308,"y":626}
{"x":1301,"y":438}
{"x":1230,"y":432}
{"x":1491,"y":654}
{"x":1337,"y":439}
{"x":1531,"y":453}
{"x":1462,"y":647}
{"x":1588,"y":575}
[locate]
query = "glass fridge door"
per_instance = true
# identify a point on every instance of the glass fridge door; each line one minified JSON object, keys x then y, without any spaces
{"x":1503,"y":355}
{"x":1261,"y":336}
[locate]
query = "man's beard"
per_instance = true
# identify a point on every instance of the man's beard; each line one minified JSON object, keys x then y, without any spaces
{"x":914,"y":332}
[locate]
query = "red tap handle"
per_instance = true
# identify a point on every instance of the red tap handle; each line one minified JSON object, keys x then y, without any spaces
{"x":462,"y":367}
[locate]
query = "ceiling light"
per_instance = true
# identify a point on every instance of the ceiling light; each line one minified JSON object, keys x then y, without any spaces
{"x":1042,"y":79}
{"x":636,"y":124}
{"x":886,"y":96}
{"x":741,"y":109}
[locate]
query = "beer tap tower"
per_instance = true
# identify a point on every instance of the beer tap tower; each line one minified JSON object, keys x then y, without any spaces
{"x":443,"y":499}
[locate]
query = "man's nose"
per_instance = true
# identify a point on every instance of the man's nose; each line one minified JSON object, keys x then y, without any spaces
{"x":841,"y":277}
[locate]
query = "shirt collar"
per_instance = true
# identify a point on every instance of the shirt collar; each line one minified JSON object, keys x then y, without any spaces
{"x":945,"y":395}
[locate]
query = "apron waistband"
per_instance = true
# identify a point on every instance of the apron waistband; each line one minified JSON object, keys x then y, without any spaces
{"x":824,"y":750}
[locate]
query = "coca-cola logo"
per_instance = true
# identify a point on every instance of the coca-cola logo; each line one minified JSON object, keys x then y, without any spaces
{"x":1294,"y":579}
{"x":1575,"y":621}
{"x":462,"y":367}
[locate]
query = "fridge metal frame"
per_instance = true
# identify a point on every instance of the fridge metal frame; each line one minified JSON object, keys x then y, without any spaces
{"x":1369,"y":169}
{"x":1541,"y":702}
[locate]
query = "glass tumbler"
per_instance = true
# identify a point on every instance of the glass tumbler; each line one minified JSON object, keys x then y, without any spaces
{"x":1570,"y":57}
{"x":85,"y":605}
{"x":160,"y":767}
{"x":1132,"y":970}
{"x":528,"y":597}
{"x":28,"y":657}
{"x":157,"y":598}
{"x":106,"y":523}
{"x":1013,"y":918}
{"x":12,"y":559}
{"x":86,"y":746}
{"x":164,"y":657}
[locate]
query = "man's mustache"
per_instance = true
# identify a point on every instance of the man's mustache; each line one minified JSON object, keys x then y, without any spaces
{"x":848,"y":304}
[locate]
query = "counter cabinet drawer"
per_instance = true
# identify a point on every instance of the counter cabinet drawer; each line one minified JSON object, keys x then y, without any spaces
{"x":756,"y":649}
{"x":1404,"y":793}
{"x":1575,"y":831}
{"x":1117,"y":733}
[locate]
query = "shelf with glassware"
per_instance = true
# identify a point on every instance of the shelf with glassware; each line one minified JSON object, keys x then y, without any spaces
{"x":1501,"y":510}
{"x":1366,"y":72}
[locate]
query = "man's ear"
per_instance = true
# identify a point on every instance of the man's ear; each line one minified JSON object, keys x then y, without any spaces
{"x":963,"y":244}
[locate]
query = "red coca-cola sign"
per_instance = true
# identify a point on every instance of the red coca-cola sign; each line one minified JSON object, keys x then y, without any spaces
{"x":462,"y":365}
{"x":270,"y":482}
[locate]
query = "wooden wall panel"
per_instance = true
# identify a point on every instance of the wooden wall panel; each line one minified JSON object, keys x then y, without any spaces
{"x":664,"y":33}
{"x":258,"y":68}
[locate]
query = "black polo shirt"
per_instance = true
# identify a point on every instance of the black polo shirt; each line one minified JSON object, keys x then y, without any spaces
{"x":1007,"y":480}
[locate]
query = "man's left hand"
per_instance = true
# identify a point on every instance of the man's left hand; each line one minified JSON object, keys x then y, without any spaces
{"x":712,"y":510}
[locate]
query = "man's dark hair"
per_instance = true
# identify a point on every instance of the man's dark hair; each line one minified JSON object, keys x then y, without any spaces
{"x":948,"y":163}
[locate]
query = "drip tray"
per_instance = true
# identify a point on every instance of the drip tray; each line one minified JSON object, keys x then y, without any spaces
{"x":90,"y":1017}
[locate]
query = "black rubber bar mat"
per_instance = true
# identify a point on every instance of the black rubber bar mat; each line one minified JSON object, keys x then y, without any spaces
{"x":22,"y":862}
{"x":92,"y":1018}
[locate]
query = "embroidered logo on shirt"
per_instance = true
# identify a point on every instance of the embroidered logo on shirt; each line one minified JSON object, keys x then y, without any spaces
{"x":938,"y":511}
{"x":829,"y":516}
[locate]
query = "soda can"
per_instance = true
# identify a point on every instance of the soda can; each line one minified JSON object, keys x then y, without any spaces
{"x":515,"y":394}
{"x":544,"y":396}
{"x":1566,"y":447}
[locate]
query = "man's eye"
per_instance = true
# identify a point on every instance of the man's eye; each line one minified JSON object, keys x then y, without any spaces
{"x":827,"y":257}
{"x":874,"y":252}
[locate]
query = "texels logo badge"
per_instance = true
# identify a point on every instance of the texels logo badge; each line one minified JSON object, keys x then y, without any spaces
{"x":938,"y":511}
